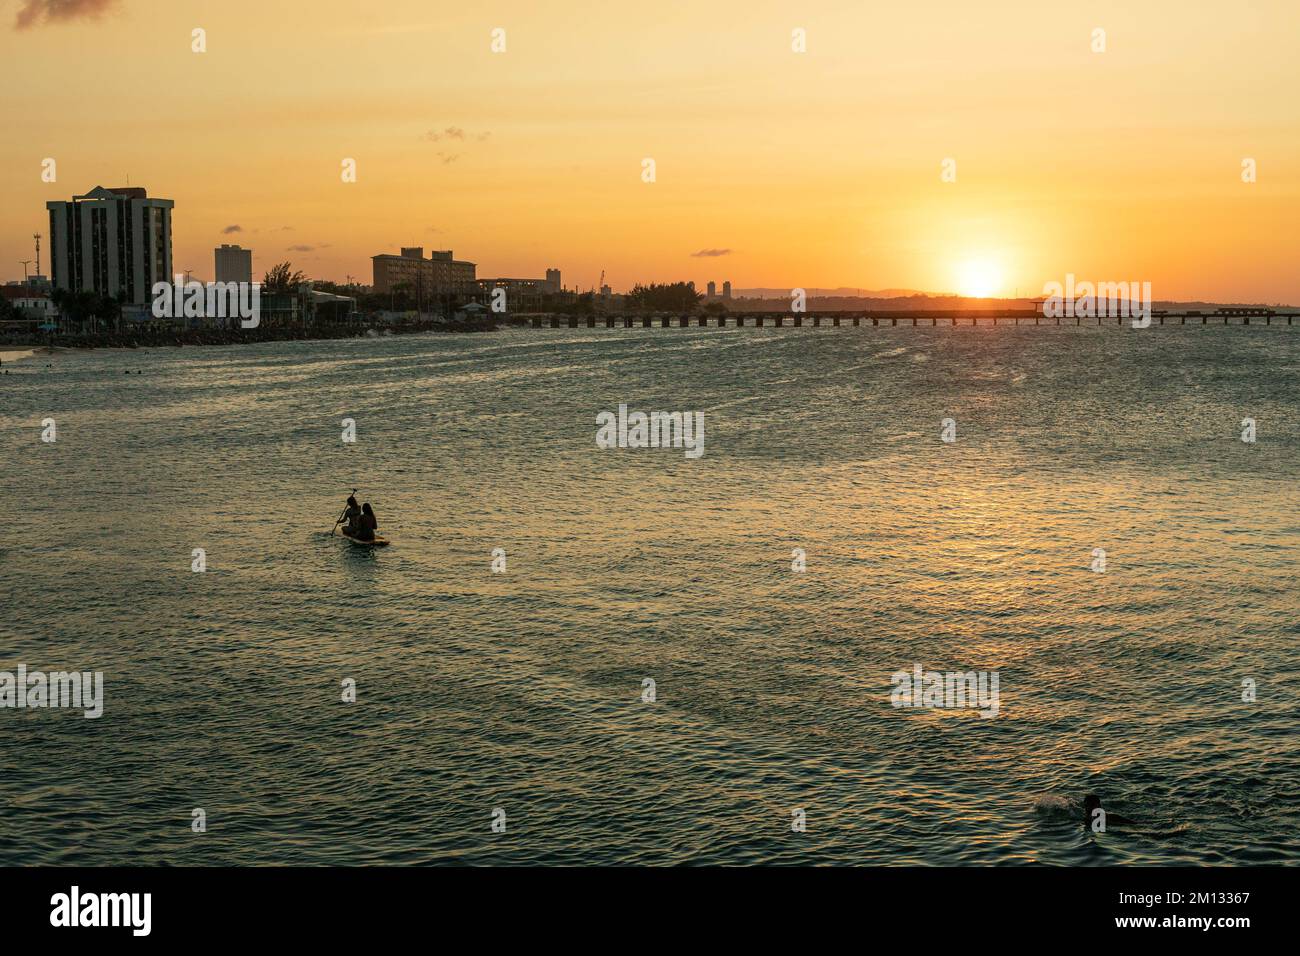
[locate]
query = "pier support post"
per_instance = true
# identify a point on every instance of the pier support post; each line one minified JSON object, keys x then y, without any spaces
{"x":537,"y":321}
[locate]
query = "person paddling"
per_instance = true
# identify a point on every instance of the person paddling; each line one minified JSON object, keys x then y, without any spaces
{"x":350,"y":515}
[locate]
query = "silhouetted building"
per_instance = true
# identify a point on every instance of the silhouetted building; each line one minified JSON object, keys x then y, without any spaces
{"x":436,"y":275}
{"x":234,"y":264}
{"x":117,"y":242}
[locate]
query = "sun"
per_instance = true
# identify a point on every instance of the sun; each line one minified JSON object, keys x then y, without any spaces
{"x":979,"y":278}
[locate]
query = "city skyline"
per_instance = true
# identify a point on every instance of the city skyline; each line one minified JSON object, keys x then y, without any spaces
{"x":773,"y":168}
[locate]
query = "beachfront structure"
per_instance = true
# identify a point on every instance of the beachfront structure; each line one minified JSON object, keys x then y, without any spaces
{"x":233,"y":263}
{"x":524,"y":295}
{"x":32,"y":303}
{"x":439,"y":274}
{"x":522,"y":287}
{"x":115,"y":242}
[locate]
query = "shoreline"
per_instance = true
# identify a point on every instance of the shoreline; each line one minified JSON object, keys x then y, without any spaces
{"x":27,"y":346}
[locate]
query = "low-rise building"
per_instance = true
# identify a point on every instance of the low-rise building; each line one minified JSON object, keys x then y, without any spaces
{"x":439,"y":274}
{"x":30,"y":303}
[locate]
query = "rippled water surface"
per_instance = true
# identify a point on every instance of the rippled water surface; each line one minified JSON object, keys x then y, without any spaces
{"x":522,"y":691}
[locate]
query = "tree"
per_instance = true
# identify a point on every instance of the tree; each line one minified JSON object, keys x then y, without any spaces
{"x":656,"y":297}
{"x":281,"y":278}
{"x":79,"y":306}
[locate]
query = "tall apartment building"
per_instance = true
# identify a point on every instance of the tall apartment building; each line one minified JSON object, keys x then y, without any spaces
{"x":436,"y":275}
{"x":116,"y":242}
{"x":234,"y":263}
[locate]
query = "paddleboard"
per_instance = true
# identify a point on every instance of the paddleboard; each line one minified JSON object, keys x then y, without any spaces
{"x":376,"y":543}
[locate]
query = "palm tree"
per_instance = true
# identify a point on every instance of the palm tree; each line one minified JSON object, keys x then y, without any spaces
{"x":281,"y":278}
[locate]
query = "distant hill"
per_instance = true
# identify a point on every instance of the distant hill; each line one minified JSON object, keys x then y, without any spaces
{"x":778,"y":300}
{"x":842,"y":292}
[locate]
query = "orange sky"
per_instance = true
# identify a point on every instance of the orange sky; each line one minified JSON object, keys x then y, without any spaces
{"x":816,"y":169}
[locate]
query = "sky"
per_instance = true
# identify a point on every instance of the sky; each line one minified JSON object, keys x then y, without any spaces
{"x":772,"y":167}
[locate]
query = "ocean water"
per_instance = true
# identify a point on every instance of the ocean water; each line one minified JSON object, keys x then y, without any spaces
{"x":522,"y":691}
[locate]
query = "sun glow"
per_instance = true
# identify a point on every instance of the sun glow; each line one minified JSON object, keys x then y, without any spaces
{"x":979,"y":278}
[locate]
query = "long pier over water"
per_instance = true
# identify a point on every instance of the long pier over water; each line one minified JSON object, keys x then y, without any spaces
{"x":931,"y":317}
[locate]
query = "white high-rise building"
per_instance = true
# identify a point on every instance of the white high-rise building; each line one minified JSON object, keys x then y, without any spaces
{"x":117,"y":242}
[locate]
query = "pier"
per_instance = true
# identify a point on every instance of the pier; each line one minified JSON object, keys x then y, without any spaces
{"x":933,"y":317}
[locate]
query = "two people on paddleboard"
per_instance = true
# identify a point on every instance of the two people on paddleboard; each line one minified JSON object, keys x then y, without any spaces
{"x":360,"y":521}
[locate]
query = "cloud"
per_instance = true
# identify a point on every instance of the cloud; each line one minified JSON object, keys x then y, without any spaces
{"x":451,"y":132}
{"x":306,"y":248}
{"x":710,"y":253}
{"x":448,"y":157}
{"x":229,"y":229}
{"x":35,"y":12}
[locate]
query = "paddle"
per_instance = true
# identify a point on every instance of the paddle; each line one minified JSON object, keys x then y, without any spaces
{"x":342,"y":514}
